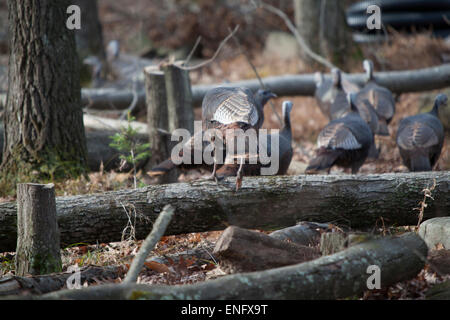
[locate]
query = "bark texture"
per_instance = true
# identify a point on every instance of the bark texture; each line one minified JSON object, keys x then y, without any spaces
{"x":340,"y":275}
{"x":268,"y":203}
{"x":43,"y":116}
{"x":37,"y":230}
{"x":307,"y":14}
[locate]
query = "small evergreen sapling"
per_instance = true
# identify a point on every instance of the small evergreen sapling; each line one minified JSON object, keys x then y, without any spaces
{"x":126,"y":141}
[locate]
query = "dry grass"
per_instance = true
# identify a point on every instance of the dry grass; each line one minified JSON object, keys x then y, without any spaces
{"x":408,"y":52}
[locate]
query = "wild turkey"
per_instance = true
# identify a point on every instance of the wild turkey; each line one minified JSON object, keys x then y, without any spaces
{"x":225,"y":109}
{"x":344,"y":142}
{"x":227,"y":106}
{"x":167,"y":165}
{"x":328,"y":90}
{"x":368,"y":114}
{"x":231,"y":108}
{"x":379,"y":97}
{"x":420,"y":138}
{"x":285,"y":152}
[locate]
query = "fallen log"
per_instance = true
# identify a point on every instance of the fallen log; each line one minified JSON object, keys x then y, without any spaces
{"x":14,"y":285}
{"x":340,"y":275}
{"x":100,"y":123}
{"x":287,"y":85}
{"x":304,"y":233}
{"x":242,"y":250}
{"x":269,"y":203}
{"x":98,"y":133}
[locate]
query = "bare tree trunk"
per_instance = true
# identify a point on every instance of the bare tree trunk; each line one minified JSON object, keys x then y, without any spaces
{"x":37,"y":230}
{"x":335,"y":36}
{"x":307,"y":13}
{"x":43,"y":116}
{"x":89,"y":38}
{"x":323,"y":26}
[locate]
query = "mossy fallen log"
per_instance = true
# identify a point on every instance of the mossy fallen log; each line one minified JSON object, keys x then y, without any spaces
{"x":269,"y":202}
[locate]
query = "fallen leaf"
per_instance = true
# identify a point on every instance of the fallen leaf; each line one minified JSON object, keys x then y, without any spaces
{"x":156,"y":266}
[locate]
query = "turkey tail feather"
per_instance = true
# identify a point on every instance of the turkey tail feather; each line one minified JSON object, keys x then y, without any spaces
{"x":420,"y":163}
{"x":324,"y":160}
{"x":163,"y":168}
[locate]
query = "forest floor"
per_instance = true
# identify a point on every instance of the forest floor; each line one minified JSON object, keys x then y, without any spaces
{"x":181,"y":267}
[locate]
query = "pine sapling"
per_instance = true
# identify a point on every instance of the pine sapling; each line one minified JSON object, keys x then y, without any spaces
{"x":127,"y":141}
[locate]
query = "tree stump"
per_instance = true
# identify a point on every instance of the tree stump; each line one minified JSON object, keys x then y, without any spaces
{"x":37,"y":230}
{"x":157,"y":120}
{"x":179,"y":97}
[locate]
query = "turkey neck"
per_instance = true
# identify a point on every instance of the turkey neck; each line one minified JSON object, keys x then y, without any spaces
{"x":435,"y":110}
{"x":337,"y":82}
{"x":287,"y":125}
{"x":369,"y":71}
{"x":260,"y":102}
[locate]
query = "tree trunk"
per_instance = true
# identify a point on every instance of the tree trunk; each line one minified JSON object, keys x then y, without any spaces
{"x":356,"y":201}
{"x":43,"y":116}
{"x":335,"y":36}
{"x":340,"y":275}
{"x":307,"y":13}
{"x":323,"y":26}
{"x":37,"y":230}
{"x":89,"y":38}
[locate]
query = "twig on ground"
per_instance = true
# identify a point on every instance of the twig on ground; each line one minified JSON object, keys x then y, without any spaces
{"x":212,"y":257}
{"x":204,"y":63}
{"x":422,"y":204}
{"x":301,"y":42}
{"x":130,"y":225}
{"x":149,"y":243}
